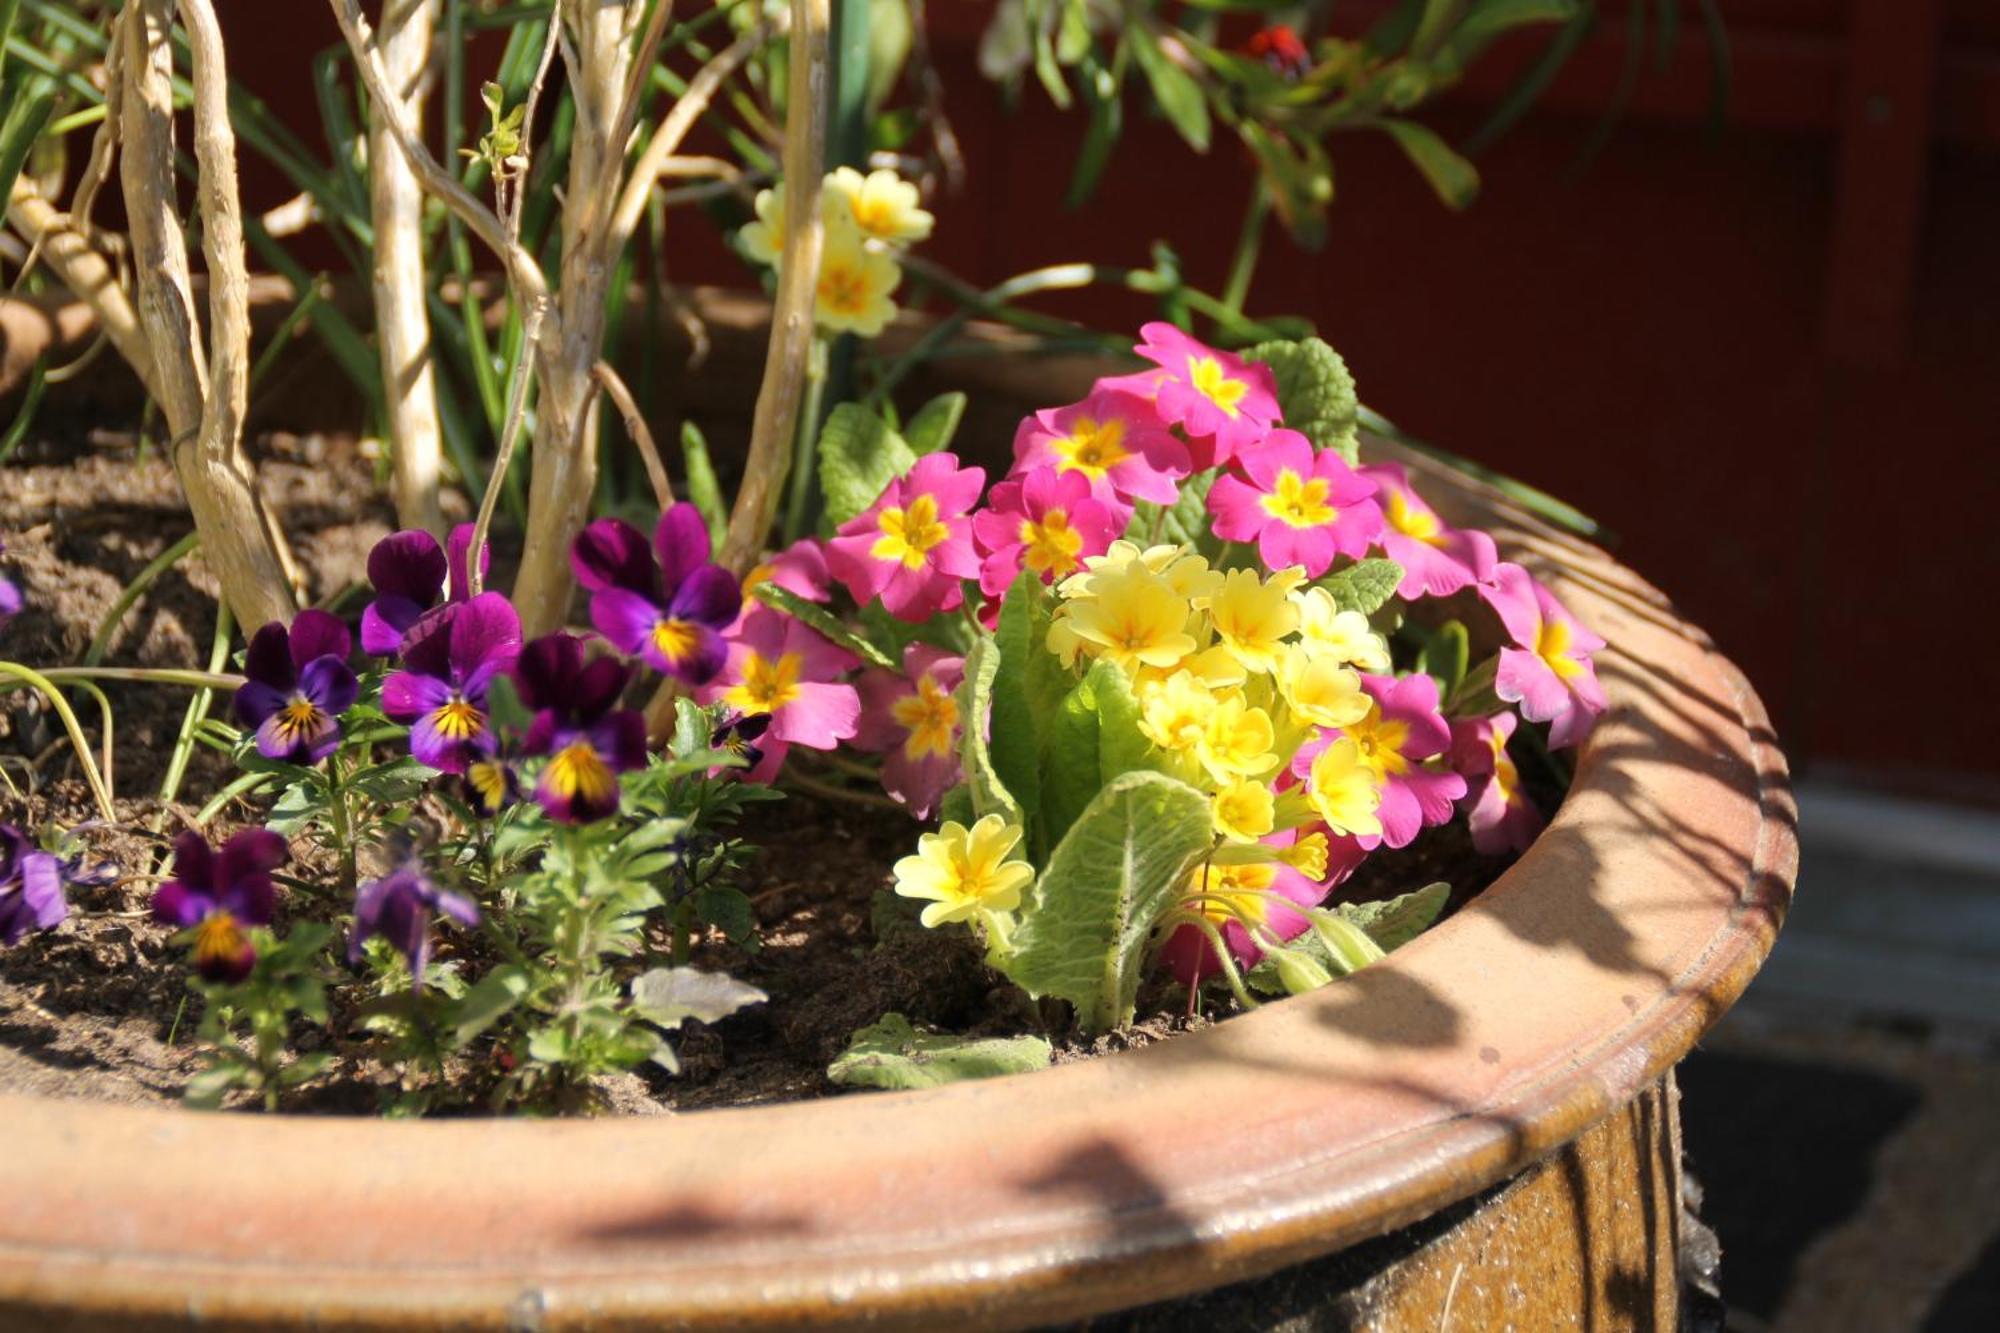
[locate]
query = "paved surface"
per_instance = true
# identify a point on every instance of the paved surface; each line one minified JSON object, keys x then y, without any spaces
{"x":1845,"y":1119}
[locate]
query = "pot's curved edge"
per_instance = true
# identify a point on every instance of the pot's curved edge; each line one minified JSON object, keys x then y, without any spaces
{"x":1574,"y":981}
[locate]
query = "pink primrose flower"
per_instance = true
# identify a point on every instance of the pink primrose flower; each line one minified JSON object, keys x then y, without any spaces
{"x":779,"y":667}
{"x":1501,"y":816}
{"x":913,"y":546}
{"x":1300,"y":507}
{"x":1437,"y":561}
{"x":1210,"y":394}
{"x":1045,"y":521}
{"x":1547,"y":671}
{"x":1113,"y":439}
{"x":911,"y":718}
{"x":1398,"y":739}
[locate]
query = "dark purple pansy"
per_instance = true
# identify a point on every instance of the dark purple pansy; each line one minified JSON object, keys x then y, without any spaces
{"x":31,"y":887}
{"x":10,"y":597}
{"x":398,"y":907}
{"x":222,"y":894}
{"x":298,"y":684}
{"x":589,"y":739}
{"x":743,"y":737}
{"x":667,"y":606}
{"x":450,"y":657}
{"x":408,"y":570}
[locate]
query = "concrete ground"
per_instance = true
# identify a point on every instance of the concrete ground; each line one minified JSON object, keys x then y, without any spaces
{"x":1844,"y":1120}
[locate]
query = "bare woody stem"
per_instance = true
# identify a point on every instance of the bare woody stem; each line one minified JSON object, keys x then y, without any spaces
{"x":87,"y":274}
{"x":776,"y":418}
{"x":203,"y":401}
{"x":642,"y":436}
{"x":402,"y":322}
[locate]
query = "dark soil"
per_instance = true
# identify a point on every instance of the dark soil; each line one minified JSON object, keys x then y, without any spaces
{"x":100,"y":1008}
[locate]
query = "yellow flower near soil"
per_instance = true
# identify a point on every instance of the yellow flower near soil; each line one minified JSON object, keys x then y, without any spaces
{"x":964,"y":873}
{"x":1318,"y":689}
{"x":882,"y":205}
{"x":854,"y":285}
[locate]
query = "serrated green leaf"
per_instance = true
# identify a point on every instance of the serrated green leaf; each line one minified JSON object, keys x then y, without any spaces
{"x":1315,"y":392}
{"x":205,"y":1091}
{"x":934,"y":424}
{"x":494,"y":996}
{"x":817,"y":618}
{"x":1071,"y":776}
{"x":670,"y":996}
{"x":990,"y":794}
{"x":859,"y":455}
{"x":1396,"y":921}
{"x":893,"y":1055}
{"x":1364,"y":586}
{"x":729,"y":911}
{"x":1082,"y":935}
{"x":1453,"y":177}
{"x":1186,"y":520}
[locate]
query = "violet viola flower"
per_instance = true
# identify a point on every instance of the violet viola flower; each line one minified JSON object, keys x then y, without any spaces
{"x":912,"y":718}
{"x":298,"y":684}
{"x":1547,"y":671}
{"x":1501,"y":816}
{"x":220,"y":895}
{"x":1437,"y":561}
{"x":1301,"y":507}
{"x":1402,"y":732}
{"x":589,"y":739}
{"x":670,"y":613}
{"x":1218,"y":398}
{"x":1045,"y":520}
{"x":490,"y":784}
{"x":913,"y":546}
{"x":31,"y":887}
{"x":742,"y":737}
{"x":398,"y":907}
{"x":408,"y":570}
{"x":450,"y":657}
{"x":10,"y":597}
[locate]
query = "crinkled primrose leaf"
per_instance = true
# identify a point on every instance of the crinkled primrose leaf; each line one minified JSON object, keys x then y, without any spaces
{"x":891,"y":1054}
{"x":859,"y":455}
{"x":990,"y":795}
{"x":1082,"y":935}
{"x":1315,"y":392}
{"x":1364,"y":931}
{"x":1364,"y":586}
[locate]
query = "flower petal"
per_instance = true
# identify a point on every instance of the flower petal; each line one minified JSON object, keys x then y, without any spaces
{"x":408,"y":565}
{"x":315,"y":633}
{"x":681,"y":543}
{"x":611,"y":553}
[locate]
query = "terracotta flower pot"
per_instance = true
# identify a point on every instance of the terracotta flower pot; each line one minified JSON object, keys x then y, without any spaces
{"x":1557,"y":997}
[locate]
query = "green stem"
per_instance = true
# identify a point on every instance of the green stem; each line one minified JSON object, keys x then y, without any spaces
{"x":134,"y":590}
{"x":43,"y":683}
{"x":805,"y":445}
{"x":683,"y":934}
{"x":200,"y":680}
{"x":337,"y":813}
{"x":1249,"y":241}
{"x":197,"y":710}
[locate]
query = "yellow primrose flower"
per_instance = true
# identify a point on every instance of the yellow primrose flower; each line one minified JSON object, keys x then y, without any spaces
{"x":1345,"y":634}
{"x":1237,"y":741}
{"x":764,"y":240}
{"x":1380,"y":741}
{"x":1216,"y":667}
{"x":854,"y":285}
{"x":1133,"y":618}
{"x":1174,"y":713}
{"x":1344,"y":790}
{"x":882,"y":205}
{"x":1319,"y":690}
{"x":1243,"y":810}
{"x":1252,"y":617}
{"x":1307,"y":855}
{"x":964,"y":872}
{"x":1231,"y":892}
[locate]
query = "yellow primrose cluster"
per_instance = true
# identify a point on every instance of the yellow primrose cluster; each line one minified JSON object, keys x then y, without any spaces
{"x":1233,"y":671}
{"x":869,"y":220}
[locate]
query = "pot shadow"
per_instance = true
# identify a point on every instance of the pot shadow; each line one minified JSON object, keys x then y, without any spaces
{"x":696,"y":1221}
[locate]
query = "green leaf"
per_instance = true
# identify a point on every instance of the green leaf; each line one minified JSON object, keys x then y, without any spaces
{"x":935,"y":423}
{"x":1487,"y":19}
{"x":1103,"y":93}
{"x":990,"y":795}
{"x":1179,"y":96}
{"x":1083,"y":933}
{"x":702,"y":487}
{"x":1446,"y":656}
{"x":1396,"y":921}
{"x":891,"y":1054}
{"x":825,"y":622}
{"x":1454,"y":178}
{"x":1315,"y":392}
{"x":31,"y":109}
{"x":670,"y":996}
{"x":728,"y":910}
{"x":1363,"y":586}
{"x":504,"y":706}
{"x":493,"y":998}
{"x":1346,"y":937}
{"x":859,"y":455}
{"x":1185,"y":522}
{"x":1014,"y":729}
{"x":1071,"y":776}
{"x":1121,"y":747}
{"x":205,"y":1091}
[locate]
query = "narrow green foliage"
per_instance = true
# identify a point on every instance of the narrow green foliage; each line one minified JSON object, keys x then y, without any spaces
{"x":287,"y":983}
{"x":1345,"y":937}
{"x":1451,"y":176}
{"x":702,"y":487}
{"x":1179,"y":96}
{"x":825,"y":622}
{"x":891,"y":1054}
{"x":934,"y":424}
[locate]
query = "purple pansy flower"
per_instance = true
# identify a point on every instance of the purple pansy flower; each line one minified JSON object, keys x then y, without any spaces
{"x":742,"y":737}
{"x":449,"y":658}
{"x":408,"y":570}
{"x":1547,"y":672}
{"x":490,"y":784}
{"x":10,"y":597}
{"x":669,"y":612}
{"x":398,"y":907}
{"x":220,"y":895}
{"x":31,"y":887}
{"x":299,"y":683}
{"x":589,"y":739}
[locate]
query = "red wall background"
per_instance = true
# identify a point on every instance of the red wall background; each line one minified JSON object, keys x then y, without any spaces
{"x":1765,"y":357}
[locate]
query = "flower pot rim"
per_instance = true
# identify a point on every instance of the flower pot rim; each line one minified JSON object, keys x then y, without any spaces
{"x":1569,"y":985}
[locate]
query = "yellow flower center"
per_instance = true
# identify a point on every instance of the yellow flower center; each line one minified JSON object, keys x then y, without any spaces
{"x":1214,"y":383}
{"x":1552,"y":645}
{"x":1417,"y":524}
{"x":1231,"y":893}
{"x":458,"y":720}
{"x":1381,"y":744}
{"x":675,"y":639}
{"x":767,"y":684}
{"x":1092,"y":447}
{"x":1052,"y":546}
{"x":908,"y":535}
{"x":218,"y":939}
{"x":931,"y":717}
{"x":1299,"y":502}
{"x":578,"y":770}
{"x":843,"y":287}
{"x":298,"y":719}
{"x":489,"y":779}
